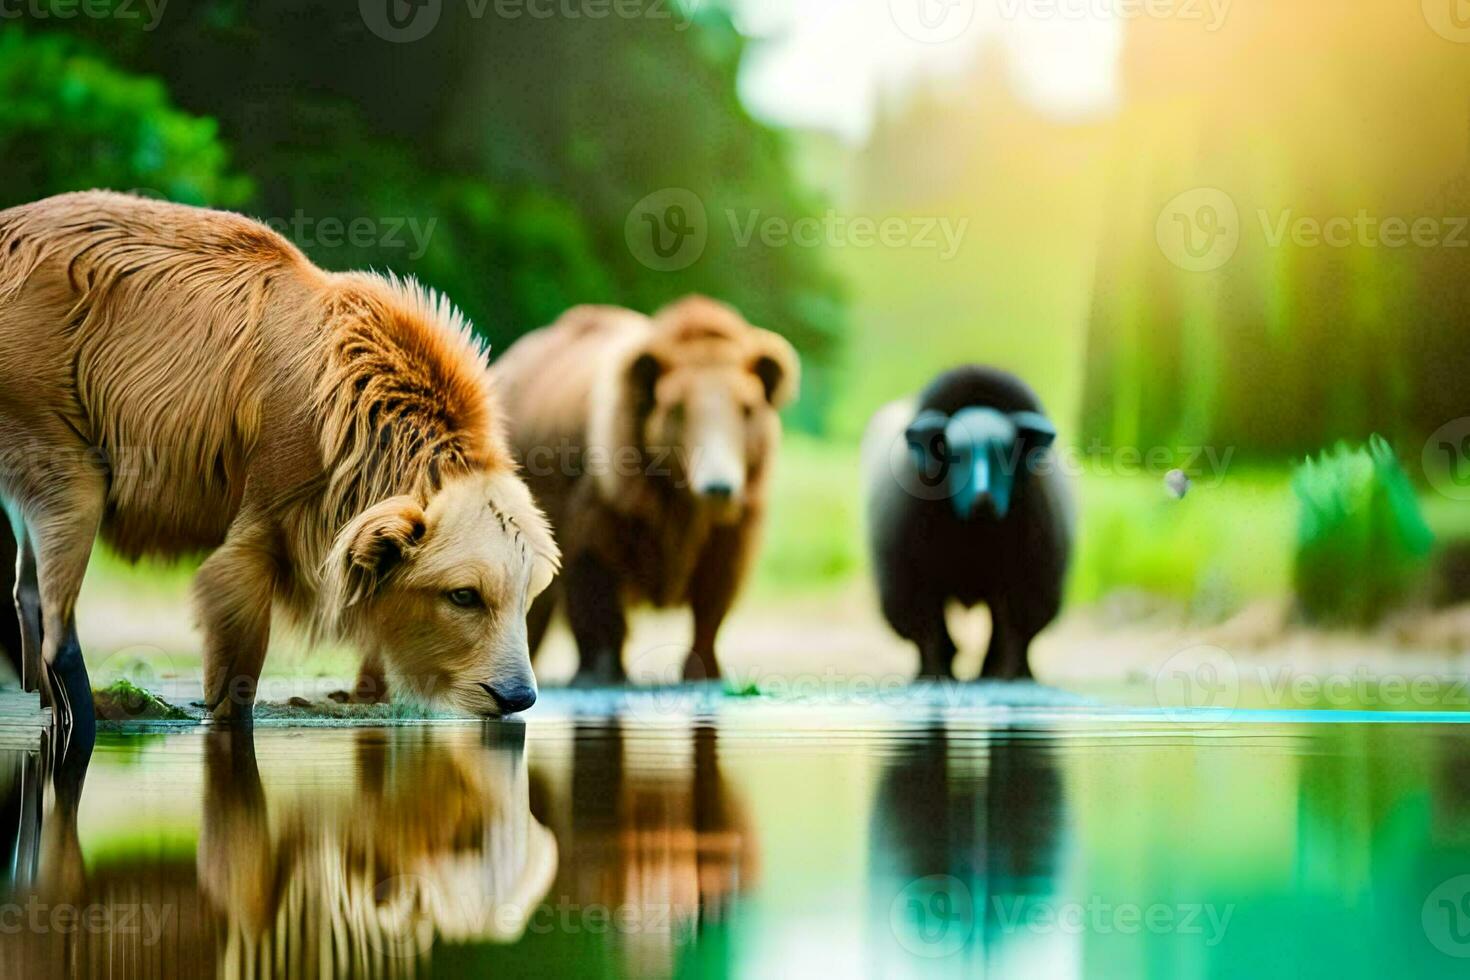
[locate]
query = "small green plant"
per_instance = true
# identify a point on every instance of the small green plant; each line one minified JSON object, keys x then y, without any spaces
{"x":1362,"y":543}
{"x":122,"y":700}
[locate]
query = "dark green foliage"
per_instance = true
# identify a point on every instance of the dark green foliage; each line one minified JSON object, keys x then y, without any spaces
{"x":1362,"y":544}
{"x":526,"y":141}
{"x":69,"y":121}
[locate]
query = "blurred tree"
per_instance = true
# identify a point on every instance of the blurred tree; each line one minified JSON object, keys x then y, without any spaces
{"x":1304,"y":335}
{"x":526,"y":140}
{"x":71,"y":122}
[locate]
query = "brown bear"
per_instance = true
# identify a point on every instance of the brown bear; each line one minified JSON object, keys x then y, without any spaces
{"x":648,"y":442}
{"x":180,"y":379}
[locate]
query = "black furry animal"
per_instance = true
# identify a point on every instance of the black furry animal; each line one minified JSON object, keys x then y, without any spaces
{"x":966,"y":503}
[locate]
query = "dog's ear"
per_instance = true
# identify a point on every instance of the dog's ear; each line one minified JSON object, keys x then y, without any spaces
{"x":778,"y":367}
{"x":373,"y":545}
{"x":1035,"y":429}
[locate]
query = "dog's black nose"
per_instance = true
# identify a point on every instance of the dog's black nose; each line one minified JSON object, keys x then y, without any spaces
{"x":511,"y":698}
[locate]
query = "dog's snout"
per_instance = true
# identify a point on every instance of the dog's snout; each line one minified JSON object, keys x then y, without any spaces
{"x":511,"y":698}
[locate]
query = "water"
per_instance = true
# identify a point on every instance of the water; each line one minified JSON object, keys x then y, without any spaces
{"x":608,"y":837}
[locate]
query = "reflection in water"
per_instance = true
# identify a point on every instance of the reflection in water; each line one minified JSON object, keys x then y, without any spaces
{"x":1059,"y":847}
{"x":963,"y":829}
{"x":432,"y":839}
{"x":657,"y":845}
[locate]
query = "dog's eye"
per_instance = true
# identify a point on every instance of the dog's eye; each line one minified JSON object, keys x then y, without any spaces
{"x":465,"y":598}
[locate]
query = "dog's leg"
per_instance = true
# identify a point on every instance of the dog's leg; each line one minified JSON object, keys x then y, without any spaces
{"x":232,"y":594}
{"x":28,"y":617}
{"x":59,"y":535}
{"x":9,"y":607}
{"x":372,"y":681}
{"x":595,"y":608}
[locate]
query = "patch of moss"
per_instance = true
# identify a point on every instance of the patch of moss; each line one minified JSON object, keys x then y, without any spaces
{"x":122,"y":700}
{"x":746,"y":689}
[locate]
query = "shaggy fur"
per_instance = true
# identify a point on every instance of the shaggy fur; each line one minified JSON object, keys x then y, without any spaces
{"x":428,"y":839}
{"x":650,"y":453}
{"x":925,"y":557}
{"x":181,"y":379}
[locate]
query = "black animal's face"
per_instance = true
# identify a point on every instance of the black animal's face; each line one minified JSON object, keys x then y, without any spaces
{"x":976,"y":455}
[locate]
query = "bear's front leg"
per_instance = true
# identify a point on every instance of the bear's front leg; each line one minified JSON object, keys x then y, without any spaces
{"x":233,"y":593}
{"x":595,"y":609}
{"x":712,"y":590}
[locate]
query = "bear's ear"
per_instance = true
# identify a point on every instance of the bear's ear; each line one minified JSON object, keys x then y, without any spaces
{"x":643,"y":375}
{"x":372,"y":546}
{"x":778,"y":368}
{"x":1036,"y":429}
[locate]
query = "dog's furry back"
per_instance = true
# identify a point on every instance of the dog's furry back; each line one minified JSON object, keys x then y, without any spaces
{"x":199,"y":352}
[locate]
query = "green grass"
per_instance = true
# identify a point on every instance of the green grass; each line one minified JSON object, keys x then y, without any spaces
{"x":1362,"y":544}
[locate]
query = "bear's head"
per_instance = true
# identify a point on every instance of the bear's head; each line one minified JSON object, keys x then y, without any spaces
{"x":442,"y":589}
{"x":702,"y":391}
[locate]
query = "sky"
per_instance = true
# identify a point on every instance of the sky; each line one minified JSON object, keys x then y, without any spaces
{"x":823,"y":63}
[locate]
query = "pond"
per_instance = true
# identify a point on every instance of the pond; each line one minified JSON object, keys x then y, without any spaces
{"x":607,"y":835}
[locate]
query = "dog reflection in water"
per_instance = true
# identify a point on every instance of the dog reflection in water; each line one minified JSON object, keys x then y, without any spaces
{"x":435,"y":841}
{"x":353,"y":856}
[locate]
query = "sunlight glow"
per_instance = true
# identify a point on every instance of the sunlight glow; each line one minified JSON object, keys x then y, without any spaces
{"x":825,"y":64}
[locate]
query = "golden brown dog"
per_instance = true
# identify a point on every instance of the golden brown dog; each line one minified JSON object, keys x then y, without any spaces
{"x":181,"y":379}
